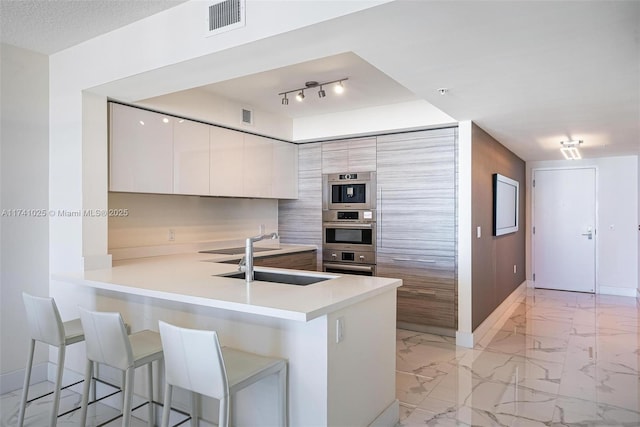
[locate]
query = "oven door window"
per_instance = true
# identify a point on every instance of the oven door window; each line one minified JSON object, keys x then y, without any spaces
{"x":348,"y":193}
{"x":357,"y":236}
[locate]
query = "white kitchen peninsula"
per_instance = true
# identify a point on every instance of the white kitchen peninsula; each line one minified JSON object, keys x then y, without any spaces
{"x":338,"y":335}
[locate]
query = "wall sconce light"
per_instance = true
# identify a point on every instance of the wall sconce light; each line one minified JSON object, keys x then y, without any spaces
{"x":570,"y":149}
{"x":338,"y":88}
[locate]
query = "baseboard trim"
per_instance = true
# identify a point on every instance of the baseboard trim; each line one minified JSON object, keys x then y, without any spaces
{"x":613,"y":290}
{"x":13,"y":381}
{"x":389,"y":417}
{"x":498,"y":316}
{"x":435,"y":330}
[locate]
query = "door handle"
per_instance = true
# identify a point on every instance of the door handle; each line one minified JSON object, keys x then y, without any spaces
{"x":589,"y":234}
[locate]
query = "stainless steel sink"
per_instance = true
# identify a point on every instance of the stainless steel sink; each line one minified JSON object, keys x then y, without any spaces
{"x":275,"y":277}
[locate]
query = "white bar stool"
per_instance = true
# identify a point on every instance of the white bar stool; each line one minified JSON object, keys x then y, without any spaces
{"x":194,"y":361}
{"x":107,"y":342}
{"x":46,"y":326}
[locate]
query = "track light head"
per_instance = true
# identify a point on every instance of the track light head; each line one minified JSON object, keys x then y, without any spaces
{"x":338,"y":87}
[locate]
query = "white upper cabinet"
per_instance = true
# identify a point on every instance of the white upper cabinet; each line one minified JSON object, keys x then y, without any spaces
{"x":227,"y":166}
{"x":190,"y":157}
{"x":155,"y":153}
{"x":350,"y":155}
{"x":141,"y":151}
{"x":258,"y":166}
{"x":285,"y":171}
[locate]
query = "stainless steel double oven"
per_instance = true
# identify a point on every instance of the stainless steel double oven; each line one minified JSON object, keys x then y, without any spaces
{"x":349,"y":223}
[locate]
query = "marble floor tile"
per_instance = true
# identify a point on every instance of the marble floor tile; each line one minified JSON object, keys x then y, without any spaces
{"x":38,"y":412}
{"x":584,"y":412}
{"x":559,"y":359}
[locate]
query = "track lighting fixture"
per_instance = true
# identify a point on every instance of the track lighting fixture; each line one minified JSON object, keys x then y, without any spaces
{"x":338,"y":88}
{"x":570,"y":149}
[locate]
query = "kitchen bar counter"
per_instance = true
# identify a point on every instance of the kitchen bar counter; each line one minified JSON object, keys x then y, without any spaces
{"x":193,"y":279}
{"x":338,"y":335}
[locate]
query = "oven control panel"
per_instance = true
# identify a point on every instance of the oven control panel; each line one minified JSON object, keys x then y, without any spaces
{"x":356,"y":257}
{"x":368,"y":215}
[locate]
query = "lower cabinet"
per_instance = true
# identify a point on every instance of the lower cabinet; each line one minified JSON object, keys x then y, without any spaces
{"x":427,"y":295}
{"x":294,"y":261}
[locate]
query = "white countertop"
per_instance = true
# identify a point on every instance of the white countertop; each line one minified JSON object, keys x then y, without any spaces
{"x":191,"y":278}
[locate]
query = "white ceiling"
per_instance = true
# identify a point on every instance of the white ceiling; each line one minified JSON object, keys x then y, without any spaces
{"x":49,"y":26}
{"x":367,"y":87}
{"x":529,"y":73}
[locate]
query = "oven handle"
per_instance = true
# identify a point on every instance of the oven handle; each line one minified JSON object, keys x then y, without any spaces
{"x":347,"y":225}
{"x":366,"y":268}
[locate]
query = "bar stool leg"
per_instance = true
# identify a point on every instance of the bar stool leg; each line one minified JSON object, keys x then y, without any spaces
{"x":150,"y":394}
{"x":27,"y":380}
{"x":85,"y":392}
{"x":56,"y":394}
{"x":195,"y":409}
{"x":167,"y":404}
{"x":128,"y":397}
{"x":223,"y":418}
{"x":282,"y":392}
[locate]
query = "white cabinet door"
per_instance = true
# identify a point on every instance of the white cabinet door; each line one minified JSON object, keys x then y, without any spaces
{"x":285,"y":171}
{"x":190,"y":157}
{"x":141,"y":151}
{"x":226,"y":172}
{"x":258,"y":164}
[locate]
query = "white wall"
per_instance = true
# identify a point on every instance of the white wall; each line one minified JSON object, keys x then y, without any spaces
{"x":617,"y":200}
{"x":24,"y":154}
{"x":211,"y":108}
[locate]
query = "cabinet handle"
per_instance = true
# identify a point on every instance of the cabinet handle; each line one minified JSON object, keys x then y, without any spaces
{"x":425,"y":261}
{"x":380,"y":218}
{"x":422,"y":292}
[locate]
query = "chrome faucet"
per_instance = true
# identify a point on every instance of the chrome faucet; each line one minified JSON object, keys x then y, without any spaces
{"x":247,"y":259}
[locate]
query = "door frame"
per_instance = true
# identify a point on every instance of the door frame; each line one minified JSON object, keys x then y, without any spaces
{"x":596,"y":226}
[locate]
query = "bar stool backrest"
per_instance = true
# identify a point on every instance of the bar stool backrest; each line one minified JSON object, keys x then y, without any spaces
{"x":193,"y":360}
{"x":43,"y":317}
{"x":106,"y":339}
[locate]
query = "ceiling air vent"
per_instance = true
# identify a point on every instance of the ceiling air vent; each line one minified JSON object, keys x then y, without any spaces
{"x":247,"y":117}
{"x":225,"y":15}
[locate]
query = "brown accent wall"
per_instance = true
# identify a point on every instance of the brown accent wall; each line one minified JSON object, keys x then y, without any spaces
{"x":493,"y":258}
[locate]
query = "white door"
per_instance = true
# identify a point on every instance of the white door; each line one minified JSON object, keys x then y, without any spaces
{"x":564,"y":234}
